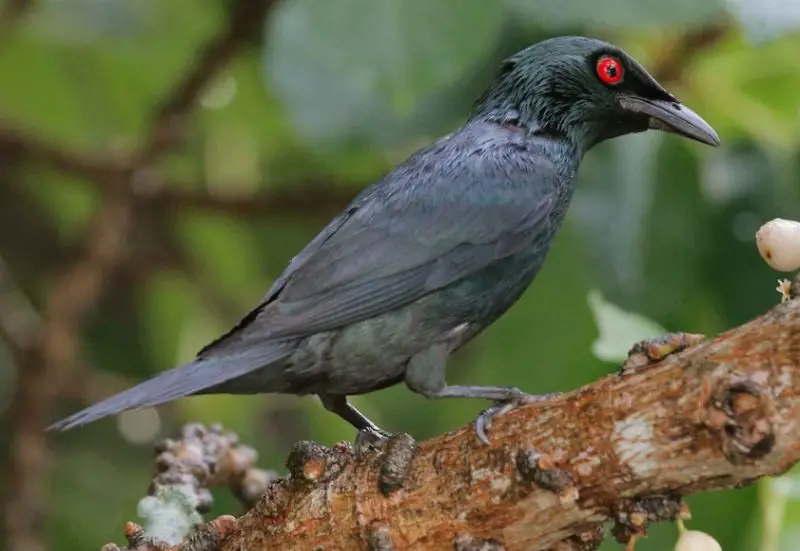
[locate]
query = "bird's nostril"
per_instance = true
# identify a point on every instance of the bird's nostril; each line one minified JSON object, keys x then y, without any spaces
{"x":676,"y":106}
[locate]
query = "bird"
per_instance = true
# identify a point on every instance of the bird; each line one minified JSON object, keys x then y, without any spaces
{"x":438,"y":249}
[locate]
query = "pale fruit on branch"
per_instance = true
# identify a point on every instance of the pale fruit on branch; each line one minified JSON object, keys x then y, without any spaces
{"x":695,"y":540}
{"x":778,"y":241}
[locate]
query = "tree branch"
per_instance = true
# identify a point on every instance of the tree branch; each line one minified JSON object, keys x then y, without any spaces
{"x":625,"y":448}
{"x":16,"y":145}
{"x":319,"y":197}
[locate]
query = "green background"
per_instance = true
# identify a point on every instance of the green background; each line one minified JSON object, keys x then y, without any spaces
{"x":323,"y":98}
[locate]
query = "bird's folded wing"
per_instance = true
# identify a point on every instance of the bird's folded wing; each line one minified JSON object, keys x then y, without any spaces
{"x":391,"y":249}
{"x":380,"y":272}
{"x":396,"y":251}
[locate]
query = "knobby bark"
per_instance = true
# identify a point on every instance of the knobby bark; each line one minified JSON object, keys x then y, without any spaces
{"x":625,"y":448}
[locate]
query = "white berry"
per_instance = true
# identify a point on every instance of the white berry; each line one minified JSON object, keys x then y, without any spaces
{"x":778,"y":242}
{"x":694,"y":540}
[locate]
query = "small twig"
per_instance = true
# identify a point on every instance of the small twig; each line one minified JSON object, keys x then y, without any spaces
{"x":320,"y":197}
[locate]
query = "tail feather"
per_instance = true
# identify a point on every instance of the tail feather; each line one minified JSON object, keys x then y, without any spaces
{"x":184,"y":380}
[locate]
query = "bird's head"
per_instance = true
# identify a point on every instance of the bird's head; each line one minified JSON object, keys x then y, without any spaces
{"x":587,"y":91}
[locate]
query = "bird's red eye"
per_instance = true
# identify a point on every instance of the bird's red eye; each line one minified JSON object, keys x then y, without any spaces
{"x":609,"y":70}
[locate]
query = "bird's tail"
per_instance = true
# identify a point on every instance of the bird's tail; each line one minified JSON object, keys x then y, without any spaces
{"x":185,"y":380}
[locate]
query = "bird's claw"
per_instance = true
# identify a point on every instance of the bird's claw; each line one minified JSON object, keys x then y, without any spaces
{"x":368,"y":438}
{"x":516,"y":398}
{"x":484,"y":420}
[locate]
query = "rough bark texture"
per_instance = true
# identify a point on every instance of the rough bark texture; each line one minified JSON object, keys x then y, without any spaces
{"x":625,"y":448}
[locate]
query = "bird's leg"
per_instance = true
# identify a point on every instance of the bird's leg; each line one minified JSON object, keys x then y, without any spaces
{"x":650,"y":351}
{"x":425,"y":374}
{"x":368,"y":432}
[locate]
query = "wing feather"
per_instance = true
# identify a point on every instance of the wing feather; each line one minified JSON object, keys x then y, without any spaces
{"x":416,"y":231}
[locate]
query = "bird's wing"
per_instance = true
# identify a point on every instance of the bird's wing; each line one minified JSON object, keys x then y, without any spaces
{"x":415,"y":232}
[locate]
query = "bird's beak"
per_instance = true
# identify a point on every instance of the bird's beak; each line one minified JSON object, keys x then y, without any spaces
{"x":671,"y":116}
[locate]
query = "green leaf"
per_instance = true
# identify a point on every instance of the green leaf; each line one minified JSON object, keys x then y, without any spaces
{"x":619,"y":330}
{"x":355,"y":67}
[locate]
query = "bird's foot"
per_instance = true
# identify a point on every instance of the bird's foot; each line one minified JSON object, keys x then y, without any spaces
{"x":515,"y":399}
{"x":650,"y":351}
{"x":369,"y":438}
{"x":369,"y":434}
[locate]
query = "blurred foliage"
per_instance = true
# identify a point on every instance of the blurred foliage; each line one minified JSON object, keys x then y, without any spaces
{"x":618,"y":329}
{"x":332,"y":97}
